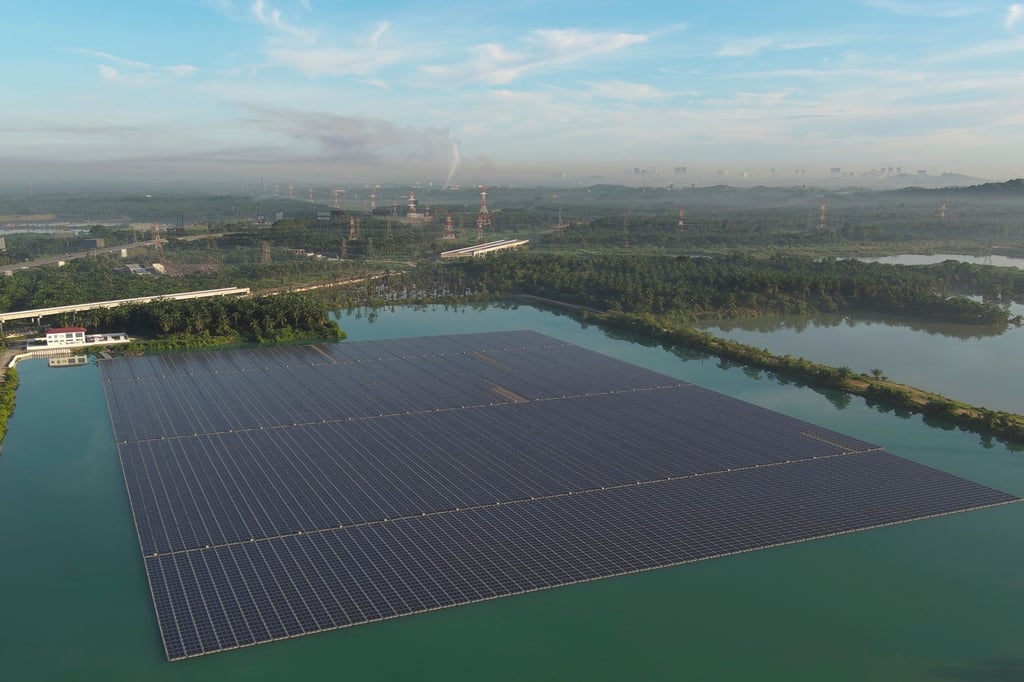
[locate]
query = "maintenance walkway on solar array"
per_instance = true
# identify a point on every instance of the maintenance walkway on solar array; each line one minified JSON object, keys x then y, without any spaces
{"x":289,"y":490}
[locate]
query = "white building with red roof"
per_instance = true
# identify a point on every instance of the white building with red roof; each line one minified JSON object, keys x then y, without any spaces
{"x":60,"y":337}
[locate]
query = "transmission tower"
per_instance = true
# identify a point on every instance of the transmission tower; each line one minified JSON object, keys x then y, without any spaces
{"x":823,"y":223}
{"x":352,"y":229}
{"x":483,"y":219}
{"x":560,"y":225}
{"x":291,"y":191}
{"x":157,"y":244}
{"x":412,"y":214}
{"x":309,"y":194}
{"x":337,"y":198}
{"x":942,"y":211}
{"x":449,"y":230}
{"x":682,"y":221}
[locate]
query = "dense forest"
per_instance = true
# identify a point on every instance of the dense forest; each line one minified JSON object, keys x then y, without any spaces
{"x":201,"y":322}
{"x":722,"y":287}
{"x":103,"y":278}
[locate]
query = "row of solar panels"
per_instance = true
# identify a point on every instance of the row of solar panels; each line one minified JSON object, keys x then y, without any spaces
{"x":255,"y":396}
{"x":190,"y":492}
{"x":210,"y":600}
{"x":272,"y":499}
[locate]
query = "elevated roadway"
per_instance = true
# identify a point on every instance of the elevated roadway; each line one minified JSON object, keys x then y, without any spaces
{"x":39,"y":313}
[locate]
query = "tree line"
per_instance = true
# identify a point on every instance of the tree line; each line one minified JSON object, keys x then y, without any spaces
{"x":734,"y":285}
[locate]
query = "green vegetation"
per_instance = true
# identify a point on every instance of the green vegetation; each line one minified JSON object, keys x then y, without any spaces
{"x":8,"y":389}
{"x":732,"y":286}
{"x":217,"y":321}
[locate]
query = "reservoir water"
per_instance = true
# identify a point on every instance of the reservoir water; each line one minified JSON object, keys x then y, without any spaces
{"x":974,"y":364}
{"x":931,"y":600}
{"x":931,"y":259}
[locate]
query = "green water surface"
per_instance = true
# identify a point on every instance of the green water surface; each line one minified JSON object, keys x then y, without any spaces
{"x":932,"y":600}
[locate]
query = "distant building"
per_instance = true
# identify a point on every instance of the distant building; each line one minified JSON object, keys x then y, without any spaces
{"x":64,"y":336}
{"x":73,"y":337}
{"x":93,"y":243}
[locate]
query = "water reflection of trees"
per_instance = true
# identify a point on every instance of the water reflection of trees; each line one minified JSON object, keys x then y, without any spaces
{"x":801,"y":323}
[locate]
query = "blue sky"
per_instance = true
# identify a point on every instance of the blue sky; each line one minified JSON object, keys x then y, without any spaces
{"x":307,"y":89}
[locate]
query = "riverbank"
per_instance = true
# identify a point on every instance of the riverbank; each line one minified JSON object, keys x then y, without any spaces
{"x":937,"y":409}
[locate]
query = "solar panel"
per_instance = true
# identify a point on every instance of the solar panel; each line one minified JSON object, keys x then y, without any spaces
{"x":283,"y":491}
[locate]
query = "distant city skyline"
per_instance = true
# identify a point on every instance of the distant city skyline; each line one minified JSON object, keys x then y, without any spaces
{"x":306,"y":90}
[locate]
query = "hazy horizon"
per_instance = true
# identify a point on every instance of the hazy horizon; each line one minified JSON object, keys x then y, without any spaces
{"x":264,"y":92}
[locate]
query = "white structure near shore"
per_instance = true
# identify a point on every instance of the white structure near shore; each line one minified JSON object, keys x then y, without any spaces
{"x":64,"y":341}
{"x":73,"y":337}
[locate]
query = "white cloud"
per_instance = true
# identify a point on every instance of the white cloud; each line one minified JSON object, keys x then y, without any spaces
{"x":380,"y":30}
{"x":541,"y":49}
{"x":632,"y":92}
{"x":136,"y":80}
{"x":332,"y":61}
{"x":269,"y":16}
{"x":135,"y":73}
{"x":1014,"y":14}
{"x":109,"y":73}
{"x":180,"y":70}
{"x":575,"y":43}
{"x":751,"y":47}
{"x":939,"y":10}
{"x":744,"y":48}
{"x":106,"y":56}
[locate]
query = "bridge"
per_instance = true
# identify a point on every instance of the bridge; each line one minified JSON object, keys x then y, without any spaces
{"x":39,"y":313}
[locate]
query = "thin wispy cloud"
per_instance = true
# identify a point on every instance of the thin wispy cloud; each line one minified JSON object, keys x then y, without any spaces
{"x":752,"y":47}
{"x":1014,"y":15}
{"x":108,"y":57}
{"x":748,"y":47}
{"x":939,"y":10}
{"x":539,"y":50}
{"x":332,"y":61}
{"x":134,"y":73}
{"x":379,"y":31}
{"x":621,"y":90}
{"x":271,"y":17}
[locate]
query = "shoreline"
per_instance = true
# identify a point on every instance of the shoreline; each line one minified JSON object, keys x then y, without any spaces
{"x":1006,"y":427}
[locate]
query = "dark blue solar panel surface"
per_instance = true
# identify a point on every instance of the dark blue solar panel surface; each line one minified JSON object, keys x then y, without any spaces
{"x":284,"y":491}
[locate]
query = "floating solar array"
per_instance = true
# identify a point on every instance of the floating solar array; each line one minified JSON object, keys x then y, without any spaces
{"x":283,"y":491}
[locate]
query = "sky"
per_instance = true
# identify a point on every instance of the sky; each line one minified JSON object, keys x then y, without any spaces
{"x":464,"y":92}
